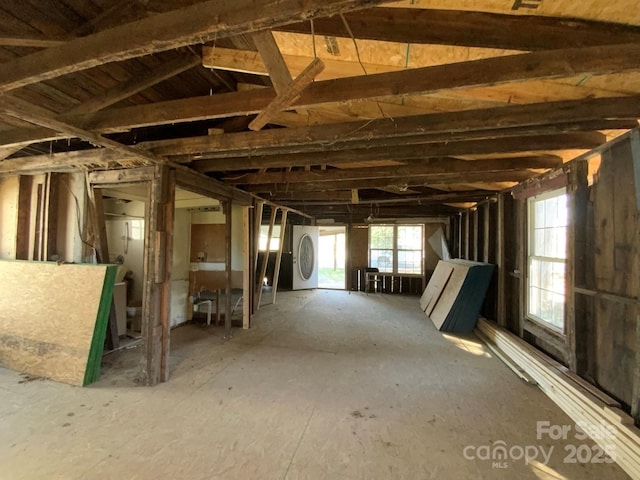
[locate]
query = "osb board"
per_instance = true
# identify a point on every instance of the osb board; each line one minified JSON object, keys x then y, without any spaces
{"x":435,"y":287}
{"x":209,"y":239}
{"x":449,"y":295}
{"x":53,"y":318}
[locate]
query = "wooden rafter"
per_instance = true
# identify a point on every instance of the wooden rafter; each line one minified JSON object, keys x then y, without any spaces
{"x":430,"y":169}
{"x":289,"y":95}
{"x":403,"y":182}
{"x":195,"y":24}
{"x":471,"y":29}
{"x":418,"y":129}
{"x":485,"y":72}
{"x":585,"y":140}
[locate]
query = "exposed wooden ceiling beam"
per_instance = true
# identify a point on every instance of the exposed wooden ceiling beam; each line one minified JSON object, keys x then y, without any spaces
{"x":429,"y":127}
{"x":403,"y":182}
{"x":137,"y":84}
{"x":272,"y":61}
{"x":313,"y":197}
{"x":36,"y":115}
{"x":432,"y":168}
{"x":473,"y":29}
{"x":124,"y":11}
{"x":337,"y":198}
{"x":121,"y":91}
{"x":289,"y":95}
{"x":357,"y":214}
{"x":432,"y":26}
{"x":31,"y":42}
{"x":485,"y":72}
{"x":247,"y":61}
{"x":194,"y":24}
{"x":439,"y":149}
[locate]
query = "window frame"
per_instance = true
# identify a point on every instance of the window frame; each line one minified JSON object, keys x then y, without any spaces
{"x":394,"y":248}
{"x":530,"y":235}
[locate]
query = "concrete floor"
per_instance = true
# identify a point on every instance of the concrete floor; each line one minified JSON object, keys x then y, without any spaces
{"x":326,"y":386}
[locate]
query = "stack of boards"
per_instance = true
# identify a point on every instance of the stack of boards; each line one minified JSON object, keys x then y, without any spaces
{"x":53,"y":318}
{"x":455,"y":293}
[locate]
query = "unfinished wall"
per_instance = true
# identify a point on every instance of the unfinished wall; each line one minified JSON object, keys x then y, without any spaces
{"x":8,"y":217}
{"x":614,"y":261}
{"x":218,"y":218}
{"x":125,"y":235}
{"x":180,"y":266}
{"x":72,"y":218}
{"x":600,"y":341}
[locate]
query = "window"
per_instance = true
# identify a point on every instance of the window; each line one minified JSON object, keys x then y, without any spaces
{"x":396,"y":248}
{"x":275,"y":238}
{"x":547,"y":257}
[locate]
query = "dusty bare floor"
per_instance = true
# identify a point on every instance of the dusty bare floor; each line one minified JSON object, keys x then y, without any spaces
{"x":327,"y":385}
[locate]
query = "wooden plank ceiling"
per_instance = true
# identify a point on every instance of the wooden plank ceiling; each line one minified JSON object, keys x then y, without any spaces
{"x":408,"y":109}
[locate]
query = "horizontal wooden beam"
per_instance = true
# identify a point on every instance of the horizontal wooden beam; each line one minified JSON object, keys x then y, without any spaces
{"x":419,"y":151}
{"x":471,"y":29}
{"x":430,"y":169}
{"x":402,"y":182}
{"x":30,"y":42}
{"x":291,"y":198}
{"x":247,"y":61}
{"x":401,"y":130}
{"x":357,"y":214}
{"x":491,"y":71}
{"x":67,"y":162}
{"x":198,"y":23}
{"x":288,"y":95}
{"x":302,"y":200}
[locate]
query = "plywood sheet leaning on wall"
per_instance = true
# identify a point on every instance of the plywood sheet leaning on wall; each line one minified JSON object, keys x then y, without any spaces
{"x":454,"y":295}
{"x":53,"y":318}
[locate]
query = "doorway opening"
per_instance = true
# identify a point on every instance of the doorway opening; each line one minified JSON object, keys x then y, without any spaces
{"x":332,"y":258}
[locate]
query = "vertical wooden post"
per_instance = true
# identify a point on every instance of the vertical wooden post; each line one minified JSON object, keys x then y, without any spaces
{"x":265,"y":259}
{"x":459,"y":249}
{"x":51,"y":217}
{"x":256,"y":253}
{"x":575,"y":319}
{"x":246,"y":269}
{"x":467,"y":233}
{"x":521,"y":254}
{"x":501,"y":261}
{"x":24,"y":217}
{"x":475,"y":234}
{"x":96,"y":208}
{"x":486,"y":216}
{"x":276,"y":272}
{"x":157,"y":276}
{"x":227,"y":272}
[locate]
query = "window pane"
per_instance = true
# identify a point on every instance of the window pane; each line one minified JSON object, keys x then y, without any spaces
{"x":548,"y":234}
{"x":382,"y":259}
{"x":381,"y":236}
{"x":409,"y":261}
{"x":410,"y":237}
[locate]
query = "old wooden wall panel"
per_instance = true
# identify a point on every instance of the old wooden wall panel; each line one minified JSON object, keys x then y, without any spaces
{"x":53,"y":318}
{"x":616,"y":262}
{"x":209,"y":239}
